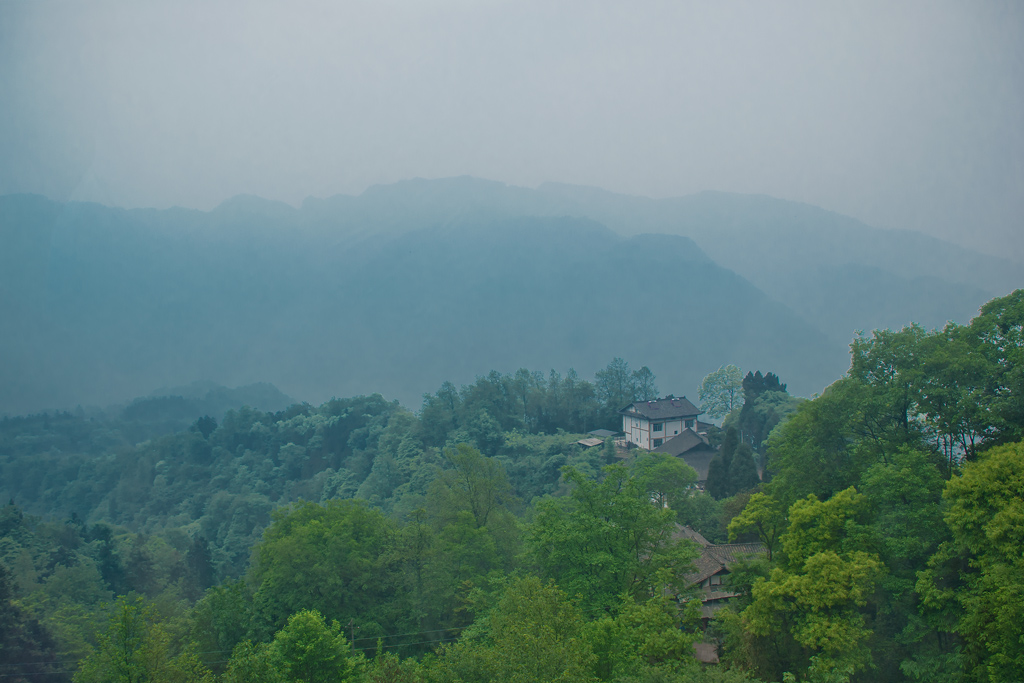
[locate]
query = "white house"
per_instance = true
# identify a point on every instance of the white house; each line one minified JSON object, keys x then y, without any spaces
{"x":649,"y":424}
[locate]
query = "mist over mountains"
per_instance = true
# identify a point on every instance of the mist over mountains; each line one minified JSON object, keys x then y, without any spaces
{"x":412,"y":284}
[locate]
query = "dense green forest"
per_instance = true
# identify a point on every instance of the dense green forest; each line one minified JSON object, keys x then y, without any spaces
{"x":476,"y":540}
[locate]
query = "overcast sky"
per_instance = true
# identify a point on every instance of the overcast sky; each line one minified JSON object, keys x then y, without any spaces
{"x":902,"y":114}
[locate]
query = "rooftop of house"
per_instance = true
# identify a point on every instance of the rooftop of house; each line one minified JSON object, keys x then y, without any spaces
{"x":662,"y":409}
{"x":691,"y":534}
{"x":694,"y":450}
{"x":685,"y":441}
{"x":715,"y":558}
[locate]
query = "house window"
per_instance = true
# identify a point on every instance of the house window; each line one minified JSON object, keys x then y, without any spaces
{"x":657,"y":442}
{"x":657,"y":426}
{"x":689,"y":424}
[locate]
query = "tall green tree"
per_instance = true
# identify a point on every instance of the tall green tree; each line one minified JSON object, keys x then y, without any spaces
{"x":254,"y":663}
{"x":667,"y":479}
{"x":807,"y":616}
{"x":534,"y":633}
{"x":733,"y":469}
{"x":644,"y":387}
{"x":474,"y":482}
{"x":608,"y":538}
{"x":998,"y":336}
{"x":314,"y":651}
{"x":137,"y":648}
{"x":721,"y":392}
{"x":986,"y":517}
{"x":762,"y":515}
{"x":618,"y":386}
{"x":334,"y":558}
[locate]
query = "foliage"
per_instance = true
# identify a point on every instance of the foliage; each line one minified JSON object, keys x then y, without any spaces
{"x":534,"y":633}
{"x":618,"y":386}
{"x":253,"y":664}
{"x":649,"y":636}
{"x":986,"y":517}
{"x":720,"y":392}
{"x":27,"y":649}
{"x":137,"y":648}
{"x":331,"y":558}
{"x":892,"y":519}
{"x":313,"y":651}
{"x":810,"y":605}
{"x":732,"y":470}
{"x":668,"y":480}
{"x":764,"y":516}
{"x":766,"y":404}
{"x":607,"y":539}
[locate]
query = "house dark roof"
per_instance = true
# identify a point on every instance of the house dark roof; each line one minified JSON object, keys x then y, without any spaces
{"x":662,"y":409}
{"x":700,"y":461}
{"x":715,"y":558}
{"x":602,"y":433}
{"x":704,"y":426}
{"x":695,"y":451}
{"x":714,"y":602}
{"x":682,"y":443}
{"x":704,"y":566}
{"x":732,"y":552}
{"x":691,"y":534}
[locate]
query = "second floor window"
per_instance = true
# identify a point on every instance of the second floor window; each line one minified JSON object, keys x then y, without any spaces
{"x":658,"y":426}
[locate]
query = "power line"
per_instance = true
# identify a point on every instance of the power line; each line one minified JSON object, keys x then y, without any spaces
{"x":215,"y":652}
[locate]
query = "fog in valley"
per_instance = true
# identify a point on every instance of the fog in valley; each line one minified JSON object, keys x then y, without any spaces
{"x":901,"y":122}
{"x":455,"y":341}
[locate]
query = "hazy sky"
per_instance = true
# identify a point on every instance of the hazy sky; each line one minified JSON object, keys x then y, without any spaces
{"x":903,"y":114}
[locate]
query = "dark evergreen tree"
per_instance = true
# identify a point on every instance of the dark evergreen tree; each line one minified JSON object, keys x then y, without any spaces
{"x":742,"y":470}
{"x":199,"y":564}
{"x":766,"y":404}
{"x":718,"y":485}
{"x":205,"y":426}
{"x":107,"y":559}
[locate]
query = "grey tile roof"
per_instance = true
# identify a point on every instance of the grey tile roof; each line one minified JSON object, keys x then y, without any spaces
{"x":730,"y":553}
{"x":695,"y":451}
{"x":691,"y":535}
{"x":700,"y":461}
{"x":681,"y":443}
{"x":715,"y":558}
{"x":662,"y":409}
{"x":705,"y":566}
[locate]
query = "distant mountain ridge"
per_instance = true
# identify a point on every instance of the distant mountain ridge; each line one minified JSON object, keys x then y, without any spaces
{"x":788,"y":249}
{"x":412,"y":284}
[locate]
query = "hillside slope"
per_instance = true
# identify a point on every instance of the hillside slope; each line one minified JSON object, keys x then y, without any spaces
{"x":322,"y":302}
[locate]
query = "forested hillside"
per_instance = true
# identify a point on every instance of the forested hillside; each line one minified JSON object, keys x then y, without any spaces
{"x":409,"y":285}
{"x":476,"y":540}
